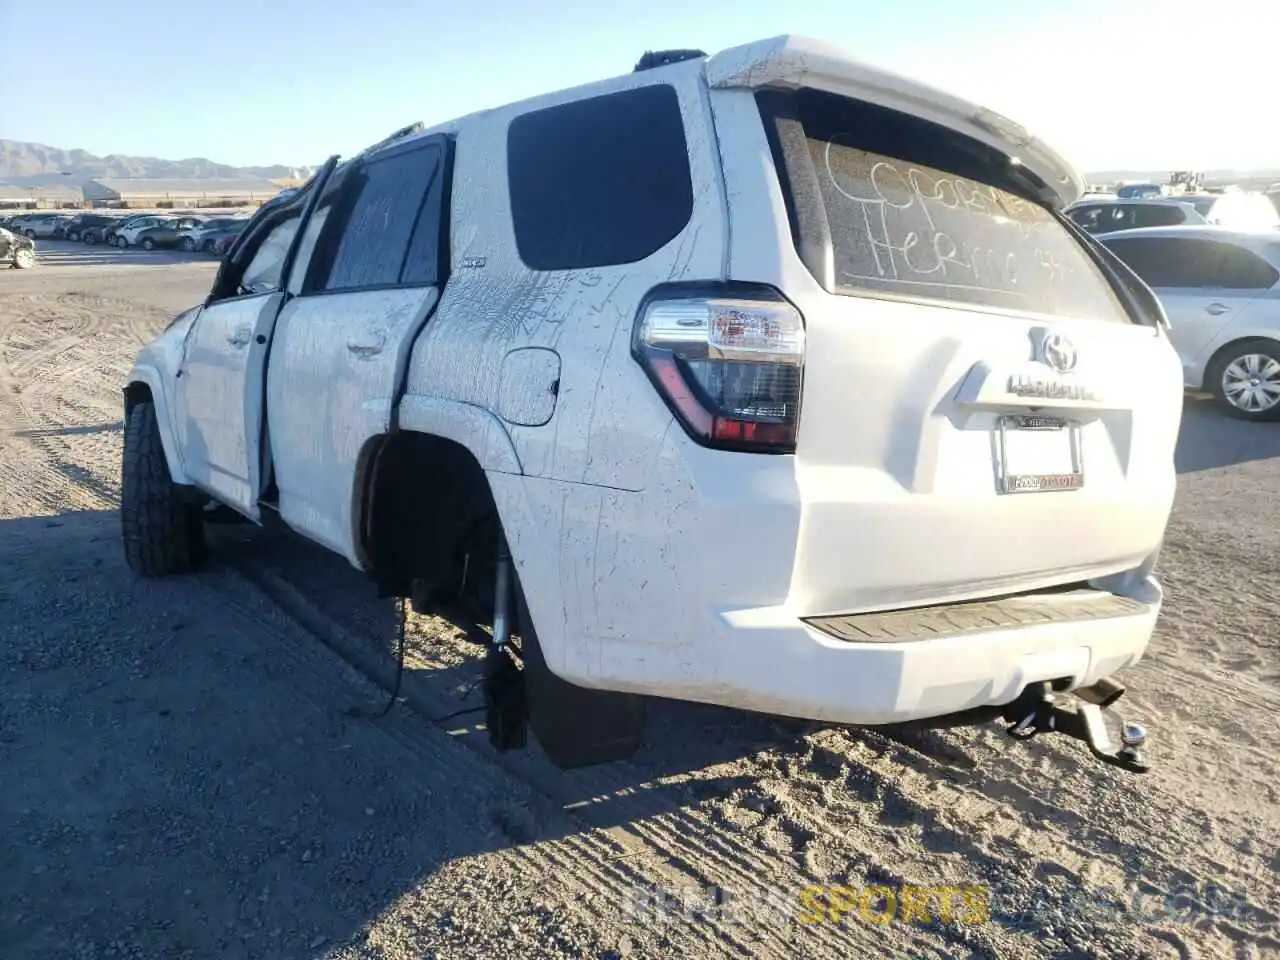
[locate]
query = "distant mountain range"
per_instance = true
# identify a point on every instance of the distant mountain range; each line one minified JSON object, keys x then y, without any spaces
{"x":39,"y":165}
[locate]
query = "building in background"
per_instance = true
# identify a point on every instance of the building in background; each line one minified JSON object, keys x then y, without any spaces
{"x":18,"y":196}
{"x":187,"y":194}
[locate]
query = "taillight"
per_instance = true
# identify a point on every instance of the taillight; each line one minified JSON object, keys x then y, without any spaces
{"x":728,"y":363}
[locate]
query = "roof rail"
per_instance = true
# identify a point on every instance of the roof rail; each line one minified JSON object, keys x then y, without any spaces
{"x":653,"y":59}
{"x":416,"y":127}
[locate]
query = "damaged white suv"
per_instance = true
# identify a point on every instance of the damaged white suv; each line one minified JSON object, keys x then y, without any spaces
{"x":762,"y":379}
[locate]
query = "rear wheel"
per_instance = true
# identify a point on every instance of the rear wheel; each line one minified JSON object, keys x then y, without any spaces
{"x":148,"y":243}
{"x":163,"y":533}
{"x":1245,"y":380}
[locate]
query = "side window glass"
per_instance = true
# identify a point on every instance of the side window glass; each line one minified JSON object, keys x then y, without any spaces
{"x":1155,"y":261}
{"x":599,"y":182}
{"x":1087,"y":217}
{"x":262,"y":275}
{"x":1234,"y":268}
{"x":1118,"y":217}
{"x":373,"y":223}
{"x":1157,"y":215}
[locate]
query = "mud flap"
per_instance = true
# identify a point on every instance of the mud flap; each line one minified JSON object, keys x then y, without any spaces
{"x":576,"y":727}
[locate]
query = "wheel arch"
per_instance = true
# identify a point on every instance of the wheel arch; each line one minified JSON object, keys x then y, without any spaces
{"x":439,"y":451}
{"x":1236,"y":341}
{"x":145,"y":385}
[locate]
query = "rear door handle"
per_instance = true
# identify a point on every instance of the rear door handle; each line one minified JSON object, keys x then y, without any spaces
{"x":1217,"y":309}
{"x":238,"y":338}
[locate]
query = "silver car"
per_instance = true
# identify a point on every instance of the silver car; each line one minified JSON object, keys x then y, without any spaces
{"x":1221,"y":290}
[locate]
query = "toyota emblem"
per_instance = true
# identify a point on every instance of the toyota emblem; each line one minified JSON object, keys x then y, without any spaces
{"x":1058,"y":352}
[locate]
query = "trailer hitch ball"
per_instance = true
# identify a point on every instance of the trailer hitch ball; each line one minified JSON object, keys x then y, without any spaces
{"x":1133,"y":736}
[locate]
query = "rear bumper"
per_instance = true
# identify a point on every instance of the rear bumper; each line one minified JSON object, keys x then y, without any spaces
{"x":766,"y":660}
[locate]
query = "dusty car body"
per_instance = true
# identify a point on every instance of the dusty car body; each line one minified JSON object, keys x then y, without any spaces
{"x":16,"y":251}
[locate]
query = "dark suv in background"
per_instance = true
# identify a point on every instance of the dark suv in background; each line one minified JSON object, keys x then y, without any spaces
{"x":82,"y":224}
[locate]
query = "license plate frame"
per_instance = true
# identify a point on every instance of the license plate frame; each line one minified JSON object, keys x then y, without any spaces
{"x":1010,"y":482}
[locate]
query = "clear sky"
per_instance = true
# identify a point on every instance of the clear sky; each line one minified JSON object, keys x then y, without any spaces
{"x":1158,"y":84}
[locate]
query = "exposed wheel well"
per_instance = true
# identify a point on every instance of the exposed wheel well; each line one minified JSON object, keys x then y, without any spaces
{"x":425,"y":507}
{"x":1222,"y":351}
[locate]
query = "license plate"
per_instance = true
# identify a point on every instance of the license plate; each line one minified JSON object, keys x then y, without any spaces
{"x":1038,"y":455}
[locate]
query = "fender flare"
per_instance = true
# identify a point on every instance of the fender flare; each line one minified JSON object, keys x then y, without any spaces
{"x":469,"y":425}
{"x":151,"y":378}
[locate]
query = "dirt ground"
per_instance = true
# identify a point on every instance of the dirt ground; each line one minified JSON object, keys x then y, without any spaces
{"x":184,"y":771}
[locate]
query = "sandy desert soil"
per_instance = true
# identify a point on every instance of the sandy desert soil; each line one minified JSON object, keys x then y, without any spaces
{"x":184,"y":771}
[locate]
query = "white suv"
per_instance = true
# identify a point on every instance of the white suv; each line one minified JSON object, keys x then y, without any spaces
{"x":698,"y":396}
{"x":128,"y":235}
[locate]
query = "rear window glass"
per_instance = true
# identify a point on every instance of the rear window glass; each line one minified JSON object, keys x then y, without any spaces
{"x":912,"y":212}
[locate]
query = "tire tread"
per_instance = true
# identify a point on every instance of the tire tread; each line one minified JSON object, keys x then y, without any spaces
{"x":162,"y":534}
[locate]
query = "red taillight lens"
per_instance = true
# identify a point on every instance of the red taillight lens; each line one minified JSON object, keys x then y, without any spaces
{"x":729,"y":367}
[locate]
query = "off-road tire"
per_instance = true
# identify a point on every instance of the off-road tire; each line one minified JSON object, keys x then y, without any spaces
{"x":163,"y":533}
{"x":575,"y":726}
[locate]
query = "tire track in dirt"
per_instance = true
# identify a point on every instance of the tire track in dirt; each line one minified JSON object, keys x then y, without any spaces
{"x":583,"y":864}
{"x":699,"y":849}
{"x":72,"y":343}
{"x":645,"y":839}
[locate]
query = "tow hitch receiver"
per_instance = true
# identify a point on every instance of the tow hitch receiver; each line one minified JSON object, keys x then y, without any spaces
{"x":1037,"y":710}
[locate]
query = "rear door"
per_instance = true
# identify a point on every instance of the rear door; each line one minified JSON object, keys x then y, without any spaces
{"x":1205,"y":285}
{"x":981,"y":413}
{"x":369,"y":270}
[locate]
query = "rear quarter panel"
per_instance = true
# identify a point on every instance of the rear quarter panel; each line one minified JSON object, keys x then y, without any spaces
{"x":608,"y":423}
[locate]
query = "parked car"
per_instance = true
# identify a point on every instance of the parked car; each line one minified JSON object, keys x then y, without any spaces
{"x":127,"y":234}
{"x":81,"y":222}
{"x":17,"y":250}
{"x":40,"y":226}
{"x":1219,"y":290}
{"x":167,"y":234}
{"x":1104,"y":216}
{"x":109,"y":235}
{"x":1139,"y":191}
{"x":1238,"y":209}
{"x":218,"y":241}
{"x":199,"y":236}
{"x":580,"y":363}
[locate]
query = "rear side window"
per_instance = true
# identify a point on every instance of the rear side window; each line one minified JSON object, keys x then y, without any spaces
{"x":1189,"y":263}
{"x":1157,"y":215}
{"x":912,"y":211}
{"x":374,"y":219}
{"x":601,"y":181}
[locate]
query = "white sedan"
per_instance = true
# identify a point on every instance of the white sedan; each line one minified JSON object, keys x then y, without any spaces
{"x":1221,"y":291}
